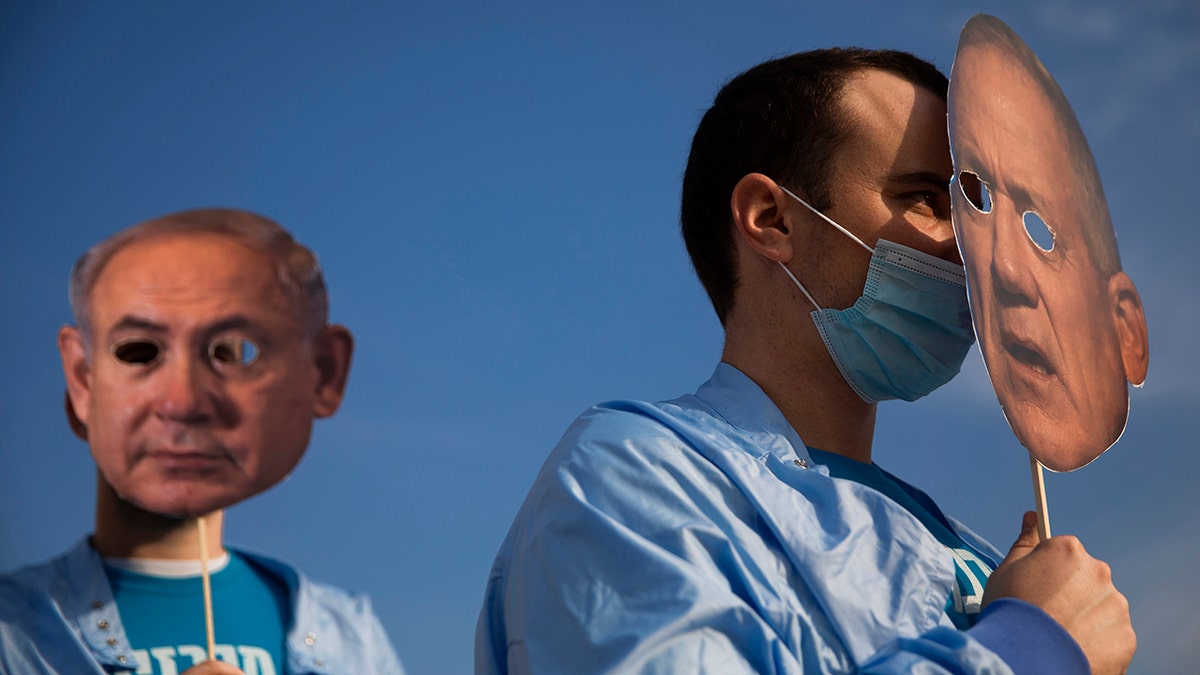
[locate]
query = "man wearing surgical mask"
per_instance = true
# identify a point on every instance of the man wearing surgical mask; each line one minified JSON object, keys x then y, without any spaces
{"x":745,"y":528}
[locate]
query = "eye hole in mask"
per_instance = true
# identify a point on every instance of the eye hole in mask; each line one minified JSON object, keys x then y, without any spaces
{"x":976,"y":191}
{"x":238,"y":352}
{"x":1040,"y":232}
{"x":137,"y":352}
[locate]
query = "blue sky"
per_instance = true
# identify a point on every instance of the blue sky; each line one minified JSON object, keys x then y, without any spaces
{"x":493,"y":191}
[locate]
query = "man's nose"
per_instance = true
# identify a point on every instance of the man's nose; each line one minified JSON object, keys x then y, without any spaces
{"x":940,"y":241}
{"x":185,"y":393}
{"x":946,"y":247}
{"x":1013,"y":277}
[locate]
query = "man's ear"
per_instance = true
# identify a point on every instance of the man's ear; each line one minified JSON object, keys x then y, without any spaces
{"x":757,"y":205}
{"x":1130,"y":321}
{"x":78,"y":373}
{"x":332,"y":350}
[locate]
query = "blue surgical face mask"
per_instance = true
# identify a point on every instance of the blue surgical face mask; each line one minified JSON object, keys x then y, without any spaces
{"x":909,"y":332}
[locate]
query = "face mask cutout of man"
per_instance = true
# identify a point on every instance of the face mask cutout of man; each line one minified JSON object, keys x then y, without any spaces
{"x":1060,"y":326}
{"x":200,"y":359}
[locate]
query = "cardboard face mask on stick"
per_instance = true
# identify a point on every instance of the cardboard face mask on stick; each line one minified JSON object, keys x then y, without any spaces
{"x":1060,"y":325}
{"x":204,"y":371}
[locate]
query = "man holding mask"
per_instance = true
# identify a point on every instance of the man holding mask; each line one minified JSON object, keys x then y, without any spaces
{"x":199,"y":358}
{"x":744,"y":528}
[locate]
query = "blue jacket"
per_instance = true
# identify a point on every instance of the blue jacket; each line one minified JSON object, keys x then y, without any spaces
{"x":59,"y":617}
{"x":698,"y":536}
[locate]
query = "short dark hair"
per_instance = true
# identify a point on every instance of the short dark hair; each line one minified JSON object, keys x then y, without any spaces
{"x":782,"y":119}
{"x":984,"y":32}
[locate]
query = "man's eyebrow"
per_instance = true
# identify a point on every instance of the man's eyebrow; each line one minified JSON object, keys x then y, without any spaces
{"x":966,"y":157}
{"x":235,"y":322}
{"x":129,"y":322}
{"x":1021,"y":195}
{"x":921,"y":178}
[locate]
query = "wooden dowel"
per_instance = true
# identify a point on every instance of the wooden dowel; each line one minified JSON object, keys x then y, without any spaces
{"x":207,"y":585}
{"x":1039,"y":495}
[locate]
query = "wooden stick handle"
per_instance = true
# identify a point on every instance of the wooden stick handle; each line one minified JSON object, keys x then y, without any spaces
{"x":1039,"y":495}
{"x":207,"y":585}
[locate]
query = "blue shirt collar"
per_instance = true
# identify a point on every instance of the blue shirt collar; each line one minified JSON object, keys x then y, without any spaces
{"x":731,"y":394}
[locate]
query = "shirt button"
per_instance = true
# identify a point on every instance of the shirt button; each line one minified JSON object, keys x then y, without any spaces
{"x":121,"y":658}
{"x":802,"y":463}
{"x":310,"y":639}
{"x":319,"y":663}
{"x":96,"y":604}
{"x":112,"y":642}
{"x":102,"y":624}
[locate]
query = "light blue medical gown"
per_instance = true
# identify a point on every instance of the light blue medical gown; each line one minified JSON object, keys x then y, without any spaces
{"x":698,"y":536}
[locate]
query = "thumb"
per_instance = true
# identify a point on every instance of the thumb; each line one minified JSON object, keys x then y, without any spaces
{"x":1026,"y":541}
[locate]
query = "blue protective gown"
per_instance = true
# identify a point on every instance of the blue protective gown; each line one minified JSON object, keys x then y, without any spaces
{"x":59,"y":617}
{"x":698,"y":536}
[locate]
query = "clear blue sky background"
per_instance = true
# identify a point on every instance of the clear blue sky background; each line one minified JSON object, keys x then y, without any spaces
{"x":493,"y":190}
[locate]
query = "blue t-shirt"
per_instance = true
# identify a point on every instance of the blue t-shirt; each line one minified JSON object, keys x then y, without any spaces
{"x":163,"y":618}
{"x":971,"y":566}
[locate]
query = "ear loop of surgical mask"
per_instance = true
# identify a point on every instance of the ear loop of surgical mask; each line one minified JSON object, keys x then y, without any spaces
{"x":909,"y":331}
{"x":832,"y":222}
